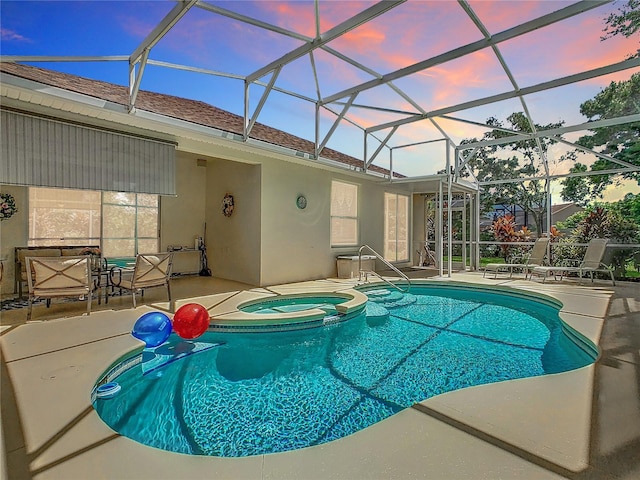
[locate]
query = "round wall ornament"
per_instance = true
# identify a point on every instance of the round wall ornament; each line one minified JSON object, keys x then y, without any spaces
{"x":227,"y":205}
{"x":7,"y":206}
{"x":301,"y":202}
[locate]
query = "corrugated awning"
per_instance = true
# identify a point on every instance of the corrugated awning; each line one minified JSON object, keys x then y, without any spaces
{"x":42,"y":152}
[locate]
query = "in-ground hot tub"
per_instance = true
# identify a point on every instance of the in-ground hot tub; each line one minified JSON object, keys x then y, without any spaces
{"x":303,"y":310}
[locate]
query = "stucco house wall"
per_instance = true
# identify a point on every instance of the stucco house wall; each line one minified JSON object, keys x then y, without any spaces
{"x":296,"y":243}
{"x":233,"y":243}
{"x":182,"y":217}
{"x":267,"y":240}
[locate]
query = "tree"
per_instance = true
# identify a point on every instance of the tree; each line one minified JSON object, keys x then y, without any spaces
{"x":603,"y":222}
{"x":625,"y":22}
{"x":619,"y":141}
{"x":618,"y":221}
{"x":628,"y":209}
{"x":576,"y":189}
{"x":523,"y":160}
{"x":623,"y":98}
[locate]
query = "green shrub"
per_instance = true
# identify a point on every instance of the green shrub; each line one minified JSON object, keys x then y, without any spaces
{"x":599,"y":222}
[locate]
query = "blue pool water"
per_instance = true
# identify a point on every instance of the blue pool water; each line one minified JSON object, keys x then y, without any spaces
{"x":252,"y":393}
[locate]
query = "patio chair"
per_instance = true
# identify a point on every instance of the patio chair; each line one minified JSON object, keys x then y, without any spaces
{"x":535,"y":259}
{"x":56,"y":277}
{"x":591,"y":263}
{"x":150,"y":270}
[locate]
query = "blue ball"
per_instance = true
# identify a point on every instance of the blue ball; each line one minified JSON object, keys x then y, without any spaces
{"x":152,"y":328}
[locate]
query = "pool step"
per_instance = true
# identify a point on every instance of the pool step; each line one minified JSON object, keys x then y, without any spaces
{"x":382,"y":292}
{"x":169,"y":352}
{"x":383,"y":296}
{"x":375,"y":311}
{"x":391,"y":298}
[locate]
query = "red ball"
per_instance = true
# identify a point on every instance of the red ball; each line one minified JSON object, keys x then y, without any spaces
{"x":190,"y":320}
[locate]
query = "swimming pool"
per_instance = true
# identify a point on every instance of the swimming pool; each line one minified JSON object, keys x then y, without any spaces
{"x":254,"y":393}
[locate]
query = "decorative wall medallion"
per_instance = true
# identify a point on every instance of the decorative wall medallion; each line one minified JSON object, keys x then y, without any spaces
{"x":301,"y":202}
{"x":7,"y":206}
{"x":227,"y":205}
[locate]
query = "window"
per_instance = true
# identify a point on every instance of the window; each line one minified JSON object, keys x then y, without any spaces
{"x":129,"y":224}
{"x":396,"y":227}
{"x":344,"y":214}
{"x":64,"y":217}
{"x":123,"y":224}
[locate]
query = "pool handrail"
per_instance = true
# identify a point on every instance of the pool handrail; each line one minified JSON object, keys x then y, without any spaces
{"x":383,"y":260}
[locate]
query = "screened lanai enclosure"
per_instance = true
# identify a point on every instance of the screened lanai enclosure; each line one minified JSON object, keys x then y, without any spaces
{"x":454,"y":98}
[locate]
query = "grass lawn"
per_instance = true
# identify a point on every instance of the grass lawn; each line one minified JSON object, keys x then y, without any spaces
{"x":483,"y":260}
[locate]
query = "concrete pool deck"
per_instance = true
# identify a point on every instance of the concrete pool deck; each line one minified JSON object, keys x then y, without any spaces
{"x":579,"y":424}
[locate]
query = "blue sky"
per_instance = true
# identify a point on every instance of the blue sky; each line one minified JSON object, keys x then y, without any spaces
{"x":407,"y":34}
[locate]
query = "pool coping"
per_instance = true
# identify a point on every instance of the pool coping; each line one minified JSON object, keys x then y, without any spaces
{"x":68,"y":440}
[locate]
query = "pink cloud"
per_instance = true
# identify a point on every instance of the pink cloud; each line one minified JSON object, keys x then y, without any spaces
{"x":476,"y":69}
{"x":335,"y":74}
{"x":564,"y":49}
{"x":365,"y":37}
{"x":300,"y":16}
{"x":500,"y":16}
{"x":370,"y":118}
{"x":334,"y":13}
{"x":551,"y":52}
{"x":297,"y":17}
{"x":407,"y":34}
{"x":216,"y":42}
{"x":11,"y":36}
{"x":599,"y":52}
{"x":475,"y":75}
{"x":136,"y":26}
{"x":478,"y":74}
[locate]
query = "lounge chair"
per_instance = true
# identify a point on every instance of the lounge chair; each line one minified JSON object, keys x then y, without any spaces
{"x":591,"y":263}
{"x":150,"y":270}
{"x":54,"y":277}
{"x":536,"y":258}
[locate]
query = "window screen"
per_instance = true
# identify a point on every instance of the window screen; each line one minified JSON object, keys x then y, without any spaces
{"x":396,"y":227}
{"x":344,"y":214}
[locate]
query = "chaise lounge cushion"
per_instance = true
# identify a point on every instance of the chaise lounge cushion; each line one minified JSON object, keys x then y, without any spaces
{"x":148,"y":273}
{"x":41,"y":252}
{"x":20,"y":276}
{"x":73,"y":277}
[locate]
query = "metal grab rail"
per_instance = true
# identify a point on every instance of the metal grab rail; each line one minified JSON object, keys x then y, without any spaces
{"x":391,"y":284}
{"x":379,"y":257}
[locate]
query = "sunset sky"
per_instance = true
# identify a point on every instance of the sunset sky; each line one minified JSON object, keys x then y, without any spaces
{"x":407,"y":34}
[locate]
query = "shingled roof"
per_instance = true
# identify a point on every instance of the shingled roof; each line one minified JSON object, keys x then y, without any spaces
{"x":192,"y":111}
